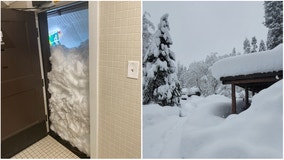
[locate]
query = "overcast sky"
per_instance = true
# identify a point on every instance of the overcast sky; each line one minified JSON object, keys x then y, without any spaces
{"x":199,"y":28}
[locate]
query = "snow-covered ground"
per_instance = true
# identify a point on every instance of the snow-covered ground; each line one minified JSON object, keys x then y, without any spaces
{"x":204,"y":128}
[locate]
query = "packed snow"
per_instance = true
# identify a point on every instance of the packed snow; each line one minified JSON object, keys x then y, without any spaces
{"x":69,"y":89}
{"x":258,"y":62}
{"x":204,"y":128}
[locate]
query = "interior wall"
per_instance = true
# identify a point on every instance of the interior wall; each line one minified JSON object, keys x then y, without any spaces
{"x":119,"y":111}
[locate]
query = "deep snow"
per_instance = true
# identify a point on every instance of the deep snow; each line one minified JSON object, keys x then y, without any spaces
{"x":258,"y":62}
{"x":161,"y":131}
{"x":69,"y":89}
{"x":204,"y":128}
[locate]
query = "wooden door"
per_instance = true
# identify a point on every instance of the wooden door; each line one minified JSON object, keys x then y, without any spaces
{"x":22,"y":104}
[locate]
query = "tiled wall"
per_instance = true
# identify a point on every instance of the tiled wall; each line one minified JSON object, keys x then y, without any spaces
{"x":119,"y":96}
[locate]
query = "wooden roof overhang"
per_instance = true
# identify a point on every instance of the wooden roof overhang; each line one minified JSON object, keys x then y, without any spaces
{"x":251,"y":82}
{"x":255,"y":82}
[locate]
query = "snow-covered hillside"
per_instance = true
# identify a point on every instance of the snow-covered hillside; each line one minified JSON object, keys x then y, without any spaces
{"x":203,"y":129}
{"x":258,"y":62}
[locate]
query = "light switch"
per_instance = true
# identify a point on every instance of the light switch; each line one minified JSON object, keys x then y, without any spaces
{"x":133,"y":69}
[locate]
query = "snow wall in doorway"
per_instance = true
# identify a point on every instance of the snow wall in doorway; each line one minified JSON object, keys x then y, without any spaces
{"x":69,"y":89}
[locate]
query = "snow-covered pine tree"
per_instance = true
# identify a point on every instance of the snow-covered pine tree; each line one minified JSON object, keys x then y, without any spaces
{"x":179,"y":69}
{"x":246,"y":46}
{"x":262,"y":46}
{"x":160,"y":82}
{"x":254,"y":44}
{"x":274,"y":22}
{"x":147,"y":35}
{"x":234,"y":53}
{"x":180,"y":72}
{"x":182,"y":75}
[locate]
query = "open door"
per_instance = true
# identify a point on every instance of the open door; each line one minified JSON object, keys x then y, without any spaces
{"x":23,"y":119}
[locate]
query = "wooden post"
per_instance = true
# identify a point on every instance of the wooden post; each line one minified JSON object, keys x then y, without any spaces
{"x":233,"y":99}
{"x":246,"y":97}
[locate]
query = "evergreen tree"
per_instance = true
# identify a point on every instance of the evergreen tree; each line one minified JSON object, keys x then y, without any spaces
{"x":254,"y":44}
{"x":180,"y":71}
{"x":274,"y":22}
{"x":147,"y":35}
{"x":234,"y":53}
{"x":246,"y":46}
{"x":262,"y":46}
{"x":160,"y":82}
{"x":182,"y":75}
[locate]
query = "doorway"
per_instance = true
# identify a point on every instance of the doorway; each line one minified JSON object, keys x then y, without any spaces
{"x":65,"y":52}
{"x":65,"y":57}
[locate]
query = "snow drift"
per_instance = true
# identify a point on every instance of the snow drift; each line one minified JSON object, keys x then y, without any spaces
{"x":254,"y":133}
{"x":69,"y":89}
{"x":258,"y":62}
{"x":204,"y":128}
{"x":163,"y":126}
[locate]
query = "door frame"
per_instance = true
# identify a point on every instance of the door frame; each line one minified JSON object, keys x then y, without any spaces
{"x":94,"y":77}
{"x":45,"y":51}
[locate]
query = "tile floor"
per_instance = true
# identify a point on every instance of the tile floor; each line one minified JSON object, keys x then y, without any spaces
{"x":46,"y":148}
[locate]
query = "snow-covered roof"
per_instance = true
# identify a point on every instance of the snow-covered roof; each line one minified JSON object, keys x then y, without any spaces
{"x":184,"y":90}
{"x":258,"y":62}
{"x":193,"y":90}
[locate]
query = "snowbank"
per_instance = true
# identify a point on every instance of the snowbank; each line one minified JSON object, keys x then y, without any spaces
{"x":204,"y":128}
{"x":259,"y":62}
{"x":69,"y":89}
{"x":254,"y":133}
{"x":163,"y":126}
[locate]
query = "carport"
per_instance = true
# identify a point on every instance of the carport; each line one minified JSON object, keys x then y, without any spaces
{"x":251,"y":82}
{"x":253,"y":72}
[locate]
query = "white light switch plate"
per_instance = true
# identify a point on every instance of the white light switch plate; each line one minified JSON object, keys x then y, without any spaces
{"x":133,"y":69}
